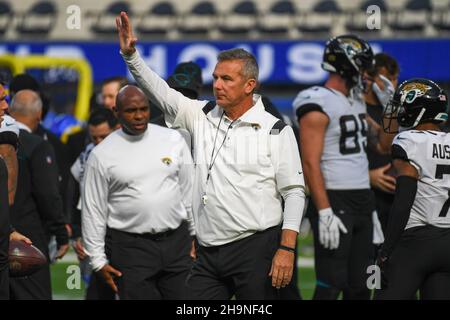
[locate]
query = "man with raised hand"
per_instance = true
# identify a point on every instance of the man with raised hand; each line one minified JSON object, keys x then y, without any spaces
{"x":247,"y":161}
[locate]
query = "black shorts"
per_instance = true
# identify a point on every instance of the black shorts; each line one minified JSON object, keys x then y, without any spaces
{"x":345,"y":267}
{"x":420,"y":261}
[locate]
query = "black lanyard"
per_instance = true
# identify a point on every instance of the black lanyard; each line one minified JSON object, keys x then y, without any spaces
{"x":213,"y":158}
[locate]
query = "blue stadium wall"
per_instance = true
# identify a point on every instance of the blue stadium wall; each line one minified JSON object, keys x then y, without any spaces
{"x":281,"y":63}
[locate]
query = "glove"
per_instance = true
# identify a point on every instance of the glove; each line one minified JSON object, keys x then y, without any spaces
{"x":378,"y":236}
{"x":52,"y":249}
{"x":385,"y":95}
{"x":329,"y":227}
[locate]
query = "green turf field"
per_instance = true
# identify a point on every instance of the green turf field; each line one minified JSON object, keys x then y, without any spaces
{"x":59,"y":283}
{"x":60,"y":277}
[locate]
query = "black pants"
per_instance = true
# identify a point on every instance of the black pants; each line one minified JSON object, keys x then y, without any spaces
{"x":4,"y":284}
{"x":383,"y":204}
{"x":4,"y":231}
{"x":239,"y":268}
{"x":152,"y":268}
{"x":420,"y":261}
{"x":344,"y":269}
{"x":38,"y":285}
{"x":98,"y":289}
{"x":34,"y":287}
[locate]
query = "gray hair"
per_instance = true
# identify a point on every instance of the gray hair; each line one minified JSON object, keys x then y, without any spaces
{"x":26,"y":103}
{"x":250,"y":70}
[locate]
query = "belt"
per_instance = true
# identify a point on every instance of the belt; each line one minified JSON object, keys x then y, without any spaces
{"x":257,"y":233}
{"x":151,"y":236}
{"x":157,"y":236}
{"x":161,"y":235}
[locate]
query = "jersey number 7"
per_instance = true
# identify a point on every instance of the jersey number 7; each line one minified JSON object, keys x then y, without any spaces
{"x":442,"y":169}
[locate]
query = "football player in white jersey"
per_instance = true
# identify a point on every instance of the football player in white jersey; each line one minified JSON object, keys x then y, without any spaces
{"x":333,"y":139}
{"x":416,"y":252}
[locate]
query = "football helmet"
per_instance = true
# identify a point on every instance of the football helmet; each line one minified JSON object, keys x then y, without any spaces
{"x":414,"y":102}
{"x":349,"y":56}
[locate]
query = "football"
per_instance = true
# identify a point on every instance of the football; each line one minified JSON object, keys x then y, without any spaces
{"x":24,"y":259}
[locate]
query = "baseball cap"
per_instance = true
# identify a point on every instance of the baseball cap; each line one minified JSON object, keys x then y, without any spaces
{"x":184,"y":83}
{"x":23,"y":81}
{"x":192,"y":69}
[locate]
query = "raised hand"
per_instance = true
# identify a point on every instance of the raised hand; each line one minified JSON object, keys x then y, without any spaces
{"x":126,"y":37}
{"x":384,"y":89}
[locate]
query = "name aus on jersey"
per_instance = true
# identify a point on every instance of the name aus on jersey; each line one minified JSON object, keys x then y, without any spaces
{"x":441,"y":151}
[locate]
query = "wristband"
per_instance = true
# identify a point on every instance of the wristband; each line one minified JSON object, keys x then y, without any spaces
{"x":286,"y":248}
{"x":325,"y":212}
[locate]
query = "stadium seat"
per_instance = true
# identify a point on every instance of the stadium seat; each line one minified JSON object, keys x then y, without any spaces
{"x":160,"y":19}
{"x":241,"y":20}
{"x":39,"y":19}
{"x":320,"y":19}
{"x":5,"y":16}
{"x":200,"y":20}
{"x":278,"y":19}
{"x":441,"y":19}
{"x":413,"y":18}
{"x":357,"y":20}
{"x":106,"y":20}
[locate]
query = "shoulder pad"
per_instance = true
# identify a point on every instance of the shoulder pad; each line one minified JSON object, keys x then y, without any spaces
{"x":9,"y":125}
{"x":278,"y":127}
